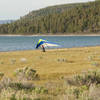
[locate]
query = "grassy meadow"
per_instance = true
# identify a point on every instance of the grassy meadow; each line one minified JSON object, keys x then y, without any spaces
{"x":59,"y":74}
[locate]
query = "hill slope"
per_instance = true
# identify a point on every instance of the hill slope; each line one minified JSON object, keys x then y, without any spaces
{"x":70,"y":18}
{"x":51,"y":10}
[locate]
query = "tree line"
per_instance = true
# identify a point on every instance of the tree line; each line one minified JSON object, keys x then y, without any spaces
{"x":79,"y":19}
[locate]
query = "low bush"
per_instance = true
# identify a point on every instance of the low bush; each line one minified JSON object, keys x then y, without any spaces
{"x":40,"y":90}
{"x":13,"y":61}
{"x":1,"y":75}
{"x":13,"y":97}
{"x":88,"y":78}
{"x":20,"y":86}
{"x":1,"y":62}
{"x":95,"y":64}
{"x":26,"y":73}
{"x":4,"y":83}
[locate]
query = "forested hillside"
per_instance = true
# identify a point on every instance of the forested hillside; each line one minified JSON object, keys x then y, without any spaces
{"x":50,"y":10}
{"x":63,"y":19}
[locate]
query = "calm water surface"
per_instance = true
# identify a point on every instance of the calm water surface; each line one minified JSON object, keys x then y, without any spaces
{"x":14,"y":43}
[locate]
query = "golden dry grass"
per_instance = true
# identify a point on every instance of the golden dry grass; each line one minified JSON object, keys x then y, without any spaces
{"x":53,"y":63}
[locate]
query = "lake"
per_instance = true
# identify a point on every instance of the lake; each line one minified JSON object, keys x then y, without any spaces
{"x":15,"y":43}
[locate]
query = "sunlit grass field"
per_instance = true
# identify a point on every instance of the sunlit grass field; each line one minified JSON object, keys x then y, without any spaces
{"x":52,"y":63}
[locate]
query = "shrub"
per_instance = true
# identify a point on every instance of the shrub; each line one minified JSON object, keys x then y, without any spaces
{"x":90,"y":58}
{"x":20,"y":85}
{"x":94,"y":92}
{"x":13,"y":61}
{"x":92,"y":77}
{"x":13,"y":97}
{"x":95,"y":64}
{"x":43,"y":98}
{"x":4,"y":83}
{"x":76,"y":92}
{"x":1,"y":75}
{"x":41,"y":90}
{"x":26,"y":73}
{"x":25,"y":98}
{"x":61,"y":60}
{"x":1,"y":62}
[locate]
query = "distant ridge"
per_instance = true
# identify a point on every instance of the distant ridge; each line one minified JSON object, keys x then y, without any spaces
{"x":80,"y":18}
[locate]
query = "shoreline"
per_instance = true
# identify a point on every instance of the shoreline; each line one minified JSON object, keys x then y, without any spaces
{"x":56,"y":35}
{"x":55,"y":49}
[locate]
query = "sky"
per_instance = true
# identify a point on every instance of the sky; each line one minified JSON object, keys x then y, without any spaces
{"x":14,"y":9}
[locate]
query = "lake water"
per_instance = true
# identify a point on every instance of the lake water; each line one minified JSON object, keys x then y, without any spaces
{"x":14,"y":43}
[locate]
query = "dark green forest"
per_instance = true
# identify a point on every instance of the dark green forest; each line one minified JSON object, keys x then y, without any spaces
{"x":78,"y":18}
